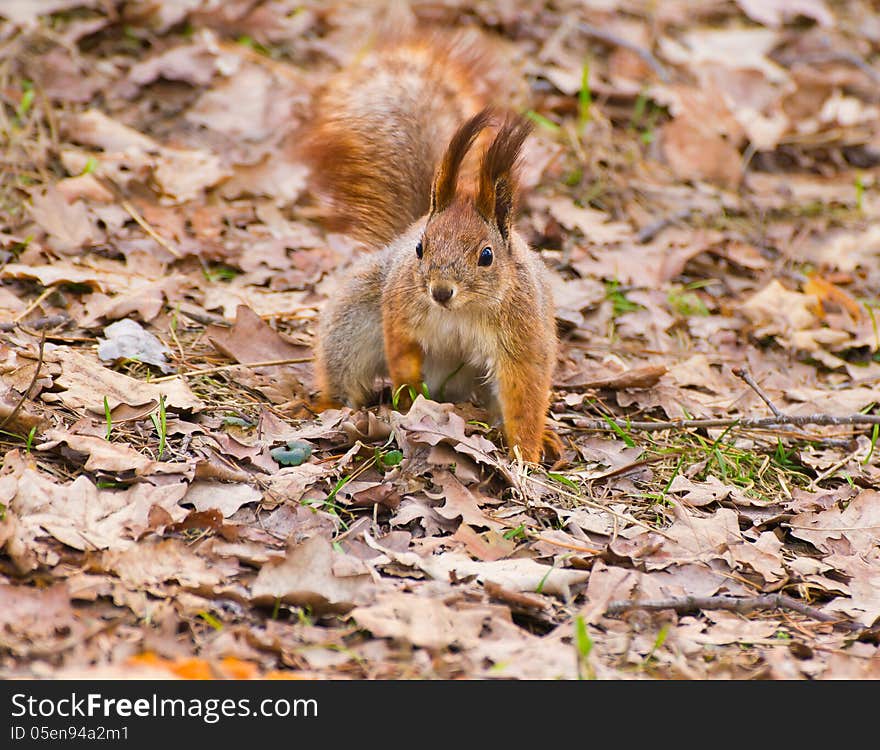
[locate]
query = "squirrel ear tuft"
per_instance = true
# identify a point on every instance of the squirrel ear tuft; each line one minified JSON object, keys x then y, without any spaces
{"x":496,"y":190}
{"x":446,"y":178}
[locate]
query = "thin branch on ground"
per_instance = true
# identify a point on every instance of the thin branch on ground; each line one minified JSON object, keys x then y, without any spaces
{"x":618,"y":41}
{"x":650,"y":231}
{"x":138,"y":217}
{"x":37,"y":324}
{"x":34,"y":305}
{"x":223,"y":368}
{"x":832,"y":55}
{"x":744,"y":374}
{"x":821,"y":420}
{"x":834,"y":468}
{"x":741,"y":605}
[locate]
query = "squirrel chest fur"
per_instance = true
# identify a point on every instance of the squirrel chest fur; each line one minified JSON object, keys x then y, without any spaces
{"x":455,"y":300}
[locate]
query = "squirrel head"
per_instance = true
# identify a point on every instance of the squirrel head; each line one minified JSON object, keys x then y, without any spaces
{"x":464,"y":255}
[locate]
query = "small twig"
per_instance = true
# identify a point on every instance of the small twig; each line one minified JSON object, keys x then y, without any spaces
{"x":37,"y":324}
{"x":649,"y":232}
{"x":9,"y":417}
{"x":142,"y":223}
{"x":835,"y":56}
{"x":823,"y":420}
{"x":514,"y":597}
{"x":741,"y":605}
{"x":833,"y":469}
{"x":30,"y":308}
{"x":744,"y":374}
{"x":223,"y":368}
{"x":204,"y":318}
{"x":565,"y":545}
{"x":618,"y":41}
{"x":135,"y":214}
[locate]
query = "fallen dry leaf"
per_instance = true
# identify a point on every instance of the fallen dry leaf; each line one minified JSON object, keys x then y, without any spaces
{"x":227,"y":498}
{"x":855,"y":526}
{"x":86,"y":383}
{"x":112,"y":457}
{"x":77,"y":514}
{"x":517,"y":574}
{"x":153,"y":562}
{"x":424,"y":621}
{"x":181,"y":173}
{"x":252,"y":340}
{"x":708,"y":200}
{"x":67,"y":224}
{"x":307,"y":577}
{"x":430,"y":423}
{"x":774,"y":13}
{"x":461,"y":503}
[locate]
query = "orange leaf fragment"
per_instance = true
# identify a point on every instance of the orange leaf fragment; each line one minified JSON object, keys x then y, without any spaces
{"x":192,"y":669}
{"x":825,"y":291}
{"x":236,"y":669}
{"x":186,"y":669}
{"x":146,"y":659}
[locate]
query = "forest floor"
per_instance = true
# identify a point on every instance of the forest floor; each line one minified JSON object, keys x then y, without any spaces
{"x":703,"y":182}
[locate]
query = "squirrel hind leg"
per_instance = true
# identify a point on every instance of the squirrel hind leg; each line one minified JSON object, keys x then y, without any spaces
{"x":343,"y":388}
{"x":343,"y":377}
{"x":349,"y":352}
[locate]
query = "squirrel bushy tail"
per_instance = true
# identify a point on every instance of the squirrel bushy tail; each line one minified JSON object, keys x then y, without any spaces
{"x":380,"y":127}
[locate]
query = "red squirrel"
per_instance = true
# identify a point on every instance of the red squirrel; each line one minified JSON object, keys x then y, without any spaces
{"x":414,"y":160}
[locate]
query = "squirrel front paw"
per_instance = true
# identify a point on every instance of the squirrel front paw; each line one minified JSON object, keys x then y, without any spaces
{"x":552,"y":445}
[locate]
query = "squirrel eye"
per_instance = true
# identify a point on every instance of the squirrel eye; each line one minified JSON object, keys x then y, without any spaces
{"x":419,"y":249}
{"x":485,"y":257}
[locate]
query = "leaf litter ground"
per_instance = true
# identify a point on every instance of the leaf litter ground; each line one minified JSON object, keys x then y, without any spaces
{"x":704,"y":183}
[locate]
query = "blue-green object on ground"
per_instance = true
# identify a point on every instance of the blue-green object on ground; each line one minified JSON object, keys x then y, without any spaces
{"x":293,"y":454}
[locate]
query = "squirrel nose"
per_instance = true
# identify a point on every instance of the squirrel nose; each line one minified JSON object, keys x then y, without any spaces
{"x":442,"y":292}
